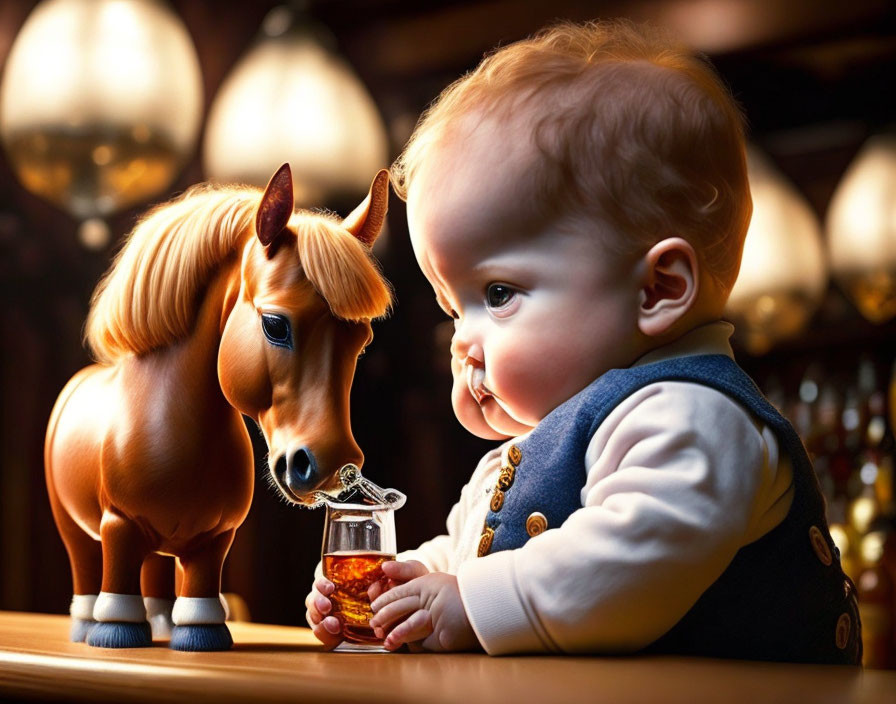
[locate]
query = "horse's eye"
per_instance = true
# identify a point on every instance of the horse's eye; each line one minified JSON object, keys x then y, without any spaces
{"x":276,"y":329}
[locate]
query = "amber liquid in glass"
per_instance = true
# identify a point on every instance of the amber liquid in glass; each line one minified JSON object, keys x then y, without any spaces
{"x":352,"y":573}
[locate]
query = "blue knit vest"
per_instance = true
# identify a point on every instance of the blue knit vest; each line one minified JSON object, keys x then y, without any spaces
{"x":784,"y":597}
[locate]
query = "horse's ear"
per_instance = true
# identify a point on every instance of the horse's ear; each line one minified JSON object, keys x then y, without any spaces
{"x":276,"y":206}
{"x":366,"y":221}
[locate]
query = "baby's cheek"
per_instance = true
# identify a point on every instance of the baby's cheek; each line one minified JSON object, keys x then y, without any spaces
{"x":523,"y":385}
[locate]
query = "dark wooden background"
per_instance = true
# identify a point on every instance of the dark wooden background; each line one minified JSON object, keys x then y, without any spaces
{"x":815,"y":77}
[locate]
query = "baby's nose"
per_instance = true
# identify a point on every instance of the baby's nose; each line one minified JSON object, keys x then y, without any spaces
{"x":465,"y":347}
{"x":474,"y":356}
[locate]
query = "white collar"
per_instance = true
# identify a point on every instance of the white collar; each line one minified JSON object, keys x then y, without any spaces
{"x":711,"y":338}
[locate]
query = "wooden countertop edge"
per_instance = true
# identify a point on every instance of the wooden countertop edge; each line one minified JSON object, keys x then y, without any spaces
{"x":73,"y":678}
{"x":282,"y":663}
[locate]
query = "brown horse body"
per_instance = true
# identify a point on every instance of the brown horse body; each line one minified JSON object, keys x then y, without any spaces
{"x":147,"y":455}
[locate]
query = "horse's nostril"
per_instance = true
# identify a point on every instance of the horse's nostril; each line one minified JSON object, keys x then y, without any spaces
{"x":301,"y":471}
{"x":280,"y":466}
{"x":301,"y":465}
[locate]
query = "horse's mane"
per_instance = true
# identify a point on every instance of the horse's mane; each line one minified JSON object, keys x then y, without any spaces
{"x":149,"y":297}
{"x":340,"y":268}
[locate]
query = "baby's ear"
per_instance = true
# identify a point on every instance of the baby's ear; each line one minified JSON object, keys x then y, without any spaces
{"x":669,"y":286}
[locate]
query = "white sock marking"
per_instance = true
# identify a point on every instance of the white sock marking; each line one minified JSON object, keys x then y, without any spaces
{"x":82,"y":606}
{"x":128,"y":608}
{"x":192,"y":611}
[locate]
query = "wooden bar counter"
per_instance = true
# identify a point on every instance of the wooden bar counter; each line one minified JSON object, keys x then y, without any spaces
{"x":280,"y":664}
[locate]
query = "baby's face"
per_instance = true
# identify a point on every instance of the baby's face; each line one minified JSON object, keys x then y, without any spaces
{"x":540,"y":308}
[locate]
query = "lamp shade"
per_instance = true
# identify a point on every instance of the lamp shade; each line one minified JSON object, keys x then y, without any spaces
{"x":100,"y":102}
{"x":861,"y":229}
{"x":292,"y":99}
{"x":783,"y":273}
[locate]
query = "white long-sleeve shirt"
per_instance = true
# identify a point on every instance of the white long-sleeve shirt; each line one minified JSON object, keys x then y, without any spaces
{"x":679,"y":478}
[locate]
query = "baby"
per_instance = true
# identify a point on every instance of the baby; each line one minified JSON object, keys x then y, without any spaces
{"x":579,"y":204}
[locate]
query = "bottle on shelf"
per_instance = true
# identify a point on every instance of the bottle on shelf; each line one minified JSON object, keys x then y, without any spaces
{"x":865,"y":508}
{"x":876,"y":603}
{"x":844,"y":537}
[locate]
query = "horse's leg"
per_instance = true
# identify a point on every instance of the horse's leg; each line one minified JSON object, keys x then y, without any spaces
{"x":86,"y":559}
{"x":157,"y":585}
{"x":178,"y":576}
{"x":119,"y":610}
{"x":179,"y":580}
{"x":198,"y":612}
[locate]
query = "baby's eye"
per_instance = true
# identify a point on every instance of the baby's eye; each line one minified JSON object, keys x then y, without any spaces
{"x":498,"y":295}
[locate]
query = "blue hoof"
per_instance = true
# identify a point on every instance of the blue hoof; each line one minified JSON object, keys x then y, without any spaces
{"x":80,"y":629}
{"x":115,"y":634}
{"x":201,"y":638}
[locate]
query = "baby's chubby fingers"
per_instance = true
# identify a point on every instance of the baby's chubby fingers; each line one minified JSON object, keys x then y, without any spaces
{"x":417,"y":627}
{"x":316,"y":603}
{"x":328,"y":632}
{"x":404,"y":571}
{"x":322,"y":605}
{"x":317,"y":608}
{"x":395,"y":572}
{"x":394,"y":611}
{"x":396,"y":593}
{"x":324,"y":586}
{"x":377,"y":588}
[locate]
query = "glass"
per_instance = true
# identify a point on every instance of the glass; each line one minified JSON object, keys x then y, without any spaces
{"x":358,"y":539}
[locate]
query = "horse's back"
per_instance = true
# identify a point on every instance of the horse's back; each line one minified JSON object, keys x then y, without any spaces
{"x":75,"y":435}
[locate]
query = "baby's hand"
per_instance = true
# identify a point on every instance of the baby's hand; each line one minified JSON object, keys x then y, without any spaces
{"x":433,"y":613}
{"x":326,"y":629}
{"x":396,"y":573}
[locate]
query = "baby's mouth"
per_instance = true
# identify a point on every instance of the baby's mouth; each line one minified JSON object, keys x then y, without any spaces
{"x":476,"y":383}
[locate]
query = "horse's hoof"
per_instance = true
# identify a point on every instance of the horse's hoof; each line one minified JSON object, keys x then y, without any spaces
{"x":117,"y":634}
{"x":201,"y":637}
{"x":80,"y":629}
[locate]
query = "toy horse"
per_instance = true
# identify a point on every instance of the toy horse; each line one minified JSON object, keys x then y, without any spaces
{"x":222,"y":302}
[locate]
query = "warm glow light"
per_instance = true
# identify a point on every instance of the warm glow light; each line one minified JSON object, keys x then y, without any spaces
{"x":783,"y":274}
{"x":101,"y":102}
{"x":861,"y":228}
{"x":872,"y":547}
{"x":840,"y":538}
{"x":715,"y":26}
{"x":290,"y":99}
{"x":862,"y":511}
